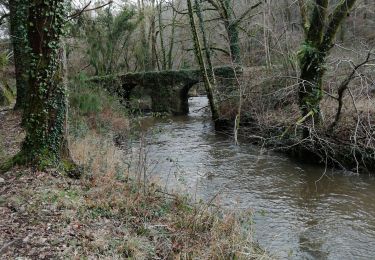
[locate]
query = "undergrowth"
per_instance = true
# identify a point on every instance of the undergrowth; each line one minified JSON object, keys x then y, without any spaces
{"x":152,"y":224}
{"x":92,"y":107}
{"x":110,"y":213}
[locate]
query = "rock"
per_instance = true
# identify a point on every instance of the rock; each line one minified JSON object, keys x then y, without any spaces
{"x":2,"y":180}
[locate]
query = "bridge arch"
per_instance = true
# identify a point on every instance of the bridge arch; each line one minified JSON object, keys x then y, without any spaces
{"x":169,"y":89}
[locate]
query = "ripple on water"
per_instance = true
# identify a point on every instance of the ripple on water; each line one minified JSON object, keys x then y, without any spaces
{"x":297,"y":216}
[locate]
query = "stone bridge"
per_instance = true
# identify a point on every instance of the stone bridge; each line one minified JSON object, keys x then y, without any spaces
{"x":169,"y":89}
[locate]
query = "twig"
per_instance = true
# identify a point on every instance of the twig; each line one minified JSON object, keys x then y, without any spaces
{"x":2,"y":250}
{"x":84,"y":9}
{"x":344,"y":86}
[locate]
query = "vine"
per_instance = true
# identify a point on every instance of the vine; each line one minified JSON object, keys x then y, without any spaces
{"x":45,"y":116}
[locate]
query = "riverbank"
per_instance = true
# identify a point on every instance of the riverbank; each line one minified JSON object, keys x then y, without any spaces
{"x":322,"y":148}
{"x":107,"y":213}
{"x":271,"y":117}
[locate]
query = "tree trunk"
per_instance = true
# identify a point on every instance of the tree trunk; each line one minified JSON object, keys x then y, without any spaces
{"x":152,"y":39}
{"x":319,"y":37}
{"x":45,"y":117}
{"x":199,"y":55}
{"x":171,"y":40}
{"x":207,"y":49}
{"x":234,"y":42}
{"x":231,"y":26}
{"x":310,"y":91}
{"x":18,"y":29}
{"x":161,"y":36}
{"x":145,"y":55}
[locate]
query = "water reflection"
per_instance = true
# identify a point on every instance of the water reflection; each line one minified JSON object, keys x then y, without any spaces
{"x":298,"y":216}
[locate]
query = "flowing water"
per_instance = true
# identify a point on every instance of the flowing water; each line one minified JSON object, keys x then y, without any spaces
{"x":299,"y":214}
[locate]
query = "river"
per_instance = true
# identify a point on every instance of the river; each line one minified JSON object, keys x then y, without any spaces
{"x":299,"y":214}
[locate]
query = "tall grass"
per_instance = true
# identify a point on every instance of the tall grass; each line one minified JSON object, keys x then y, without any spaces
{"x":160,"y":224}
{"x":156,"y":224}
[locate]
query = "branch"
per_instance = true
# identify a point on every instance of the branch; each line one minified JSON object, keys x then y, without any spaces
{"x":185,"y":12}
{"x":239,"y":19}
{"x":84,"y":9}
{"x":212,"y":48}
{"x":340,"y":12}
{"x":303,"y":119}
{"x":298,"y":123}
{"x":211,"y":2}
{"x":305,"y":20}
{"x":344,"y":86}
{"x":220,"y":9}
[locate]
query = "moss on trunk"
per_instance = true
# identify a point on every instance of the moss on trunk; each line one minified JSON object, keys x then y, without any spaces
{"x":45,"y":144}
{"x":18,"y":29}
{"x":319,"y":37}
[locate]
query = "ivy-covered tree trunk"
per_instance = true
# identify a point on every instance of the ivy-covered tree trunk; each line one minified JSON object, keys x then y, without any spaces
{"x":319,"y":38}
{"x":18,"y":29}
{"x":45,"y":116}
{"x":310,"y":91}
{"x":312,"y":65}
{"x":234,"y":43}
{"x":231,"y":26}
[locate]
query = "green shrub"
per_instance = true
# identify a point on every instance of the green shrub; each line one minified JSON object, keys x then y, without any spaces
{"x":86,"y":103}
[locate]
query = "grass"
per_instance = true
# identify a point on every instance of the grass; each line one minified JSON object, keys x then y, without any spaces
{"x":156,"y":224}
{"x":6,"y":95}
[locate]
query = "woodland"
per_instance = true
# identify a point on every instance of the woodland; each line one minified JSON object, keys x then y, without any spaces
{"x":292,"y":76}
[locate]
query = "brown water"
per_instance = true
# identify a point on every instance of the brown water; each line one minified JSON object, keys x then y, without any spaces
{"x":299,"y":213}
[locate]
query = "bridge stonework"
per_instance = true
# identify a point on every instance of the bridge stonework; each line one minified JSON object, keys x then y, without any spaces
{"x":169,"y":89}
